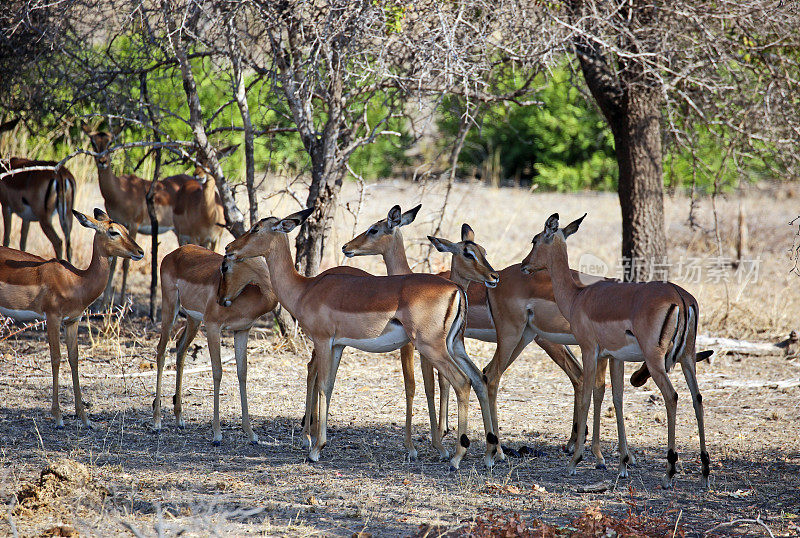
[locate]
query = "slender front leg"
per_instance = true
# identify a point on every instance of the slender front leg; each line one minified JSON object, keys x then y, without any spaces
{"x":327,"y":365}
{"x":407,"y":362}
{"x":311,"y":416}
{"x":688,"y":366}
{"x":598,"y":393}
{"x":24,"y":227}
{"x":661,"y":379}
{"x":168,"y":311}
{"x":52,"y":236}
{"x":213,"y":337}
{"x":589,"y":356}
{"x":436,"y":434}
{"x":53,"y":333}
{"x":133,"y":231}
{"x":617,"y":387}
{"x":240,"y":348}
{"x":71,"y":337}
{"x":108,"y":294}
{"x":6,"y":226}
{"x":185,"y":339}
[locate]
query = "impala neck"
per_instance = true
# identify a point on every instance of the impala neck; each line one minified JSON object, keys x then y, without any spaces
{"x":109,"y":182}
{"x":96,"y":275}
{"x":564,"y":287}
{"x":456,"y":278}
{"x":395,"y":256}
{"x":287,"y":283}
{"x":209,"y":197}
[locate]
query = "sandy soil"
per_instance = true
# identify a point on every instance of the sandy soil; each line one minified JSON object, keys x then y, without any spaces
{"x":176,"y":482}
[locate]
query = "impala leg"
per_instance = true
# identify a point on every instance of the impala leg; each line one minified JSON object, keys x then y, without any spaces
{"x":589,"y":356}
{"x":213,"y":337}
{"x":688,"y":365}
{"x":567,"y":362}
{"x":476,"y":378}
{"x":6,"y":225}
{"x":240,"y":347}
{"x":186,"y":338}
{"x":53,"y":333}
{"x":407,"y":362}
{"x":108,"y":294}
{"x":598,"y":393}
{"x":617,"y":388}
{"x":436,"y":434}
{"x":52,"y":236}
{"x":444,"y":405}
{"x":311,"y":416}
{"x":126,"y":263}
{"x":24,"y":227}
{"x":661,"y":379}
{"x":71,"y":337}
{"x":327,"y":366}
{"x":168,"y":313}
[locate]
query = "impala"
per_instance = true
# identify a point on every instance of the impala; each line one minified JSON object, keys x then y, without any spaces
{"x":34,"y":195}
{"x":34,"y":288}
{"x":125,"y":199}
{"x":374,"y":314}
{"x":191,"y":278}
{"x":522,"y":309}
{"x":198,"y":214}
{"x":654,"y":322}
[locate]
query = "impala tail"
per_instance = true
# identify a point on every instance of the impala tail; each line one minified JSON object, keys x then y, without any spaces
{"x":65,"y":201}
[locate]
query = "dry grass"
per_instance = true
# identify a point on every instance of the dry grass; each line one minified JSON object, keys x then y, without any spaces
{"x":176,"y":482}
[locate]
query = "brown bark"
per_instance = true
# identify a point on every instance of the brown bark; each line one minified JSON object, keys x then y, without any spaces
{"x":151,"y":208}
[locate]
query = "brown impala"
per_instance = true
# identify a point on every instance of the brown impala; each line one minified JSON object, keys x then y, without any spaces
{"x":374,"y":314}
{"x":654,"y":322}
{"x":34,"y":195}
{"x":34,"y":288}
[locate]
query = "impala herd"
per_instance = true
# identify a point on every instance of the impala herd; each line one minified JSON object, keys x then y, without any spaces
{"x":539,"y":300}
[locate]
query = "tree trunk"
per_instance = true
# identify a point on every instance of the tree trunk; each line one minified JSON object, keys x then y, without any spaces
{"x":641,"y":186}
{"x":149,"y":199}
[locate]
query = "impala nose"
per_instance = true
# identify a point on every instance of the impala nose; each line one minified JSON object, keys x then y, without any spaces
{"x":346,"y":252}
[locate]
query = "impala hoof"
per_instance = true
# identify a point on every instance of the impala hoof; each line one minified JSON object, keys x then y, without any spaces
{"x":453,"y":468}
{"x":59,"y":425}
{"x":255,"y":442}
{"x":601,"y":466}
{"x":412,"y":455}
{"x":510,"y":452}
{"x":623,"y":473}
{"x":444,"y":456}
{"x":87,"y":424}
{"x":216,"y":442}
{"x":667,"y":482}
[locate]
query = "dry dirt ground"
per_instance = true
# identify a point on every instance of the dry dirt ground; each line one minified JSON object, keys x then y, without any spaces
{"x":144,"y":483}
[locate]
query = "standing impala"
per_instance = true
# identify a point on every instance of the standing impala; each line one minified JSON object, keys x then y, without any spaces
{"x":199,"y":217}
{"x":522,"y":309}
{"x":35,"y":195}
{"x":654,"y":322}
{"x":34,"y":288}
{"x":125,"y":200}
{"x":374,"y":314}
{"x":190,"y":282}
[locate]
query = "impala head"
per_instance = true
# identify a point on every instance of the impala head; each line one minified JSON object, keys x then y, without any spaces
{"x":469,"y":258}
{"x":114,"y":237}
{"x":379,"y":237}
{"x":264,"y":234}
{"x":200,"y":171}
{"x":545,"y":241}
{"x":233,"y":280}
{"x":101,"y":140}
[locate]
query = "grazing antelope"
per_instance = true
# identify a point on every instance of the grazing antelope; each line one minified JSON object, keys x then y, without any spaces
{"x":191,"y":279}
{"x":654,"y":322}
{"x":34,"y":288}
{"x":522,"y":309}
{"x":35,"y":195}
{"x":198,"y":216}
{"x":374,"y":314}
{"x":125,"y":199}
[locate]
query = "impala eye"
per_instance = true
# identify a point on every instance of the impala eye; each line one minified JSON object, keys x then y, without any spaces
{"x":113,"y":233}
{"x":373,"y":231}
{"x":468,"y":255}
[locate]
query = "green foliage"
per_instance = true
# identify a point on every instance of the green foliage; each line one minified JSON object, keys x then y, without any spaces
{"x":563,"y":144}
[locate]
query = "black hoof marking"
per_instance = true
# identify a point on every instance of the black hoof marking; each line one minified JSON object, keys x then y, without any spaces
{"x":491,"y":438}
{"x":464,"y":440}
{"x":706,"y":463}
{"x":601,"y":466}
{"x":672,"y":458}
{"x":699,"y":398}
{"x":59,"y":426}
{"x":453,"y":469}
{"x":181,"y":426}
{"x":254,"y":443}
{"x":508,"y":451}
{"x":308,"y":460}
{"x":216,"y":443}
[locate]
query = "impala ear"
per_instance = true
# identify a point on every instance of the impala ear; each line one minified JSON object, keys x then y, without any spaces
{"x":100,"y":215}
{"x":443,"y":245}
{"x":7,"y":126}
{"x":573,"y":226}
{"x":86,"y":221}
{"x":466,"y":233}
{"x":395,"y":217}
{"x":550,"y":227}
{"x":291,"y":222}
{"x":409,"y":216}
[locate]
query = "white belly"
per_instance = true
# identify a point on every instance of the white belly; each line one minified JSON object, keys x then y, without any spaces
{"x":146,"y":229}
{"x":194,"y":314}
{"x":630,"y":352}
{"x":484,"y":335}
{"x":557,"y":338}
{"x":394,"y":338}
{"x":21,"y":315}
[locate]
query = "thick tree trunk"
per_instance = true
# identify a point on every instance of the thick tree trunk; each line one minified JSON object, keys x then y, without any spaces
{"x":641,"y":186}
